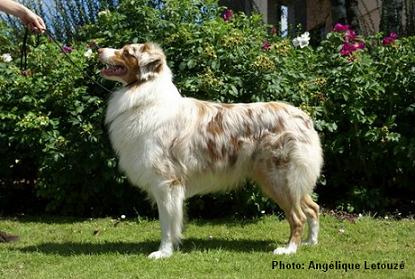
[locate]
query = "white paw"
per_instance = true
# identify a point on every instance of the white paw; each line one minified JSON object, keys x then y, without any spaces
{"x":285,"y":250}
{"x":160,"y":255}
{"x":310,"y":242}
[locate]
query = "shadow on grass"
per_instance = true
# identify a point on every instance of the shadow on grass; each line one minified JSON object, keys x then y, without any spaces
{"x":51,"y":220}
{"x":146,"y":247}
{"x":236,"y":221}
{"x":230,"y":222}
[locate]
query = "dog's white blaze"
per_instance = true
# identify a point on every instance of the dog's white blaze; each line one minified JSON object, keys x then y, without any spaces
{"x":107,"y":54}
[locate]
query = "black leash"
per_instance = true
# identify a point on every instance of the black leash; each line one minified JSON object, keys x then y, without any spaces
{"x":23,"y":52}
{"x":73,"y":63}
{"x":23,"y":61}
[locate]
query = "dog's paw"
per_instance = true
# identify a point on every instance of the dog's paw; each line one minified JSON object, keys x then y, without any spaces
{"x":159,"y":255}
{"x":310,"y":242}
{"x":285,"y":250}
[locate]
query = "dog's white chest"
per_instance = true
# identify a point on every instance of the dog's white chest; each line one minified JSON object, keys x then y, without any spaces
{"x":136,"y":134}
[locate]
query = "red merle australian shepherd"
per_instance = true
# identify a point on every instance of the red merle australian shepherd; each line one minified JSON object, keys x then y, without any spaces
{"x":175,"y":147}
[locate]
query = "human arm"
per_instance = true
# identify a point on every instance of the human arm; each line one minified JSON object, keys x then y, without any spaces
{"x":29,"y":18}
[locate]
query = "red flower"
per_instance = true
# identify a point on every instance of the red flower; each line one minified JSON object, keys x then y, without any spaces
{"x":227,"y":15}
{"x":351,"y":42}
{"x":341,"y":28}
{"x":350,"y":35}
{"x":266,"y":45}
{"x":359,"y":45}
{"x":393,"y":35}
{"x":349,"y":48}
{"x":390,"y":39}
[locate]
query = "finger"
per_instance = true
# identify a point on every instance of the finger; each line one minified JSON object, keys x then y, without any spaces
{"x":33,"y":28}
{"x":42,"y":24}
{"x":39,"y":25}
{"x":36,"y":28}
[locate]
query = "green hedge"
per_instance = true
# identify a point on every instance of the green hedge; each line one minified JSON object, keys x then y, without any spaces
{"x":52,"y":134}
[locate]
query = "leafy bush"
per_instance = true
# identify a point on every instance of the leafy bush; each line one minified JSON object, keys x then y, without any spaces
{"x":53,"y":137}
{"x":52,"y":132}
{"x":370,"y":155}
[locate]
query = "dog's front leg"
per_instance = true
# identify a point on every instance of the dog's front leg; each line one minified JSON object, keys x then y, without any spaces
{"x":166,"y":245}
{"x":169,"y":198}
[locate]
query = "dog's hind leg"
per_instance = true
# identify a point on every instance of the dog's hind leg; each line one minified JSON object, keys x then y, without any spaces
{"x":275,"y":185}
{"x":311,"y":210}
{"x":170,"y":199}
{"x":296,"y":219}
{"x":288,"y":181}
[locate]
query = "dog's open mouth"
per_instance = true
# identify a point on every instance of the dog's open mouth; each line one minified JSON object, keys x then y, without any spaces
{"x":114,"y":70}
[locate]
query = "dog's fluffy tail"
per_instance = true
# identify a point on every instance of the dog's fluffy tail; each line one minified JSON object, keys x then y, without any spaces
{"x":306,"y":162}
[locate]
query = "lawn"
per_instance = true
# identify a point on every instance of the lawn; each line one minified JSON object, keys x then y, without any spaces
{"x":107,"y":248}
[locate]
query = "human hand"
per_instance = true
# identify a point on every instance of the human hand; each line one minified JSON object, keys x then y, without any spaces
{"x":32,"y":20}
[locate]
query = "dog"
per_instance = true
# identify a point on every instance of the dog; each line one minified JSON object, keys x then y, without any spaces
{"x":175,"y":147}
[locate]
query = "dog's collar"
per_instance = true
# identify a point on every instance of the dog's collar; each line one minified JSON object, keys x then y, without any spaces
{"x":132,"y":83}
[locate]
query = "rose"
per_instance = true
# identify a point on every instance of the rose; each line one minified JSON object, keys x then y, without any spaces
{"x":7,"y":58}
{"x":302,"y":41}
{"x":390,"y":39}
{"x":227,"y":15}
{"x":349,"y":48}
{"x":88,"y":53}
{"x":341,"y":28}
{"x":350,"y":36}
{"x":67,"y":49}
{"x":266,"y":45}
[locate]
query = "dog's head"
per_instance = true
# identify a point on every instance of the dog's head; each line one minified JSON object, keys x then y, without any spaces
{"x":132,"y":63}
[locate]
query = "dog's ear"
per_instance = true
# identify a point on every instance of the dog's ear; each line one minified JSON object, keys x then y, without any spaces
{"x":150,"y":67}
{"x":151,"y":61}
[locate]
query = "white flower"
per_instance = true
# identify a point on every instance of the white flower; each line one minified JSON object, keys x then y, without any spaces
{"x":263,"y":211}
{"x":123,"y":216}
{"x":302,"y":41}
{"x":88,"y":53}
{"x":104,"y":13}
{"x":6,"y":58}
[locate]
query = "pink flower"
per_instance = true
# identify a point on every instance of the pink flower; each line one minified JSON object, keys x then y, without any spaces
{"x":67,"y":49}
{"x":387,"y":41}
{"x":359,"y":45}
{"x":390,"y":39}
{"x":393,"y":35}
{"x":350,"y":35}
{"x":266,"y":45}
{"x":349,"y":48}
{"x":340,"y":27}
{"x":227,"y":15}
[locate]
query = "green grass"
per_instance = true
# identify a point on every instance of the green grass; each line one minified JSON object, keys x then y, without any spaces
{"x":96,"y":248}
